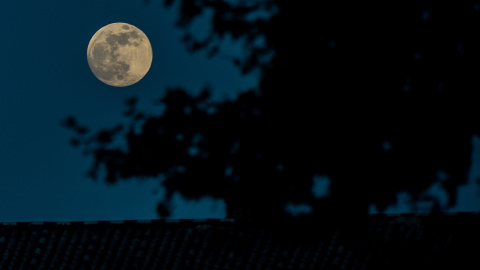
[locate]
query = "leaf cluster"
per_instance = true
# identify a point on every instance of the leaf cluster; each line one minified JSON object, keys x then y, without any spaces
{"x":378,"y":102}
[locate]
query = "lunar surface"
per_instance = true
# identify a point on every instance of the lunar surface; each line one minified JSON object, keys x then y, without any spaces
{"x":119,"y":54}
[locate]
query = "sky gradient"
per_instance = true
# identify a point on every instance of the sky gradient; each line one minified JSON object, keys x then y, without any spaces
{"x":45,"y":77}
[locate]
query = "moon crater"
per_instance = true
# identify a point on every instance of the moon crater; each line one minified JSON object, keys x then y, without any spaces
{"x":119,"y":54}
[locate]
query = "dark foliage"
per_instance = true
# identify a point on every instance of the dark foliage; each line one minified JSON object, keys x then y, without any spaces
{"x":378,"y":98}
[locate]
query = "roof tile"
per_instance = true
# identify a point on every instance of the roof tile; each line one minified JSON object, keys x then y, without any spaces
{"x":379,"y":241}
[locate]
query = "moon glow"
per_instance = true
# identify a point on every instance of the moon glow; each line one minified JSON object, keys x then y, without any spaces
{"x":119,"y":54}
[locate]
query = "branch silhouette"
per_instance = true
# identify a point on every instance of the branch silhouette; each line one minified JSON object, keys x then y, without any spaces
{"x":378,"y":102}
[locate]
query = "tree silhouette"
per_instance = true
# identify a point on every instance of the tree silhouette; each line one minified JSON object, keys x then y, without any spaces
{"x":378,"y":98}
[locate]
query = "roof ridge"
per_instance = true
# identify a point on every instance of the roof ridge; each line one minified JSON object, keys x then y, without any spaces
{"x":126,"y":221}
{"x":426,"y":214}
{"x":213,"y":220}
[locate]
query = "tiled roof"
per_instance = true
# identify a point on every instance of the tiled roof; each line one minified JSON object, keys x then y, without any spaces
{"x":373,"y":242}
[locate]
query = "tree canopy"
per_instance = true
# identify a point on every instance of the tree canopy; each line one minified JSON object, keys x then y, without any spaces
{"x":378,"y":98}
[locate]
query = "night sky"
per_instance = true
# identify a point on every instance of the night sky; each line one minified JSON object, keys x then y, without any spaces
{"x":45,"y":77}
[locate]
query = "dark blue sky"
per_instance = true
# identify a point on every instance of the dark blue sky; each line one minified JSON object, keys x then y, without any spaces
{"x":45,"y":77}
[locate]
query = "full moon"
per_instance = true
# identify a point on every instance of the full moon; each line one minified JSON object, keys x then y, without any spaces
{"x":119,"y":54}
